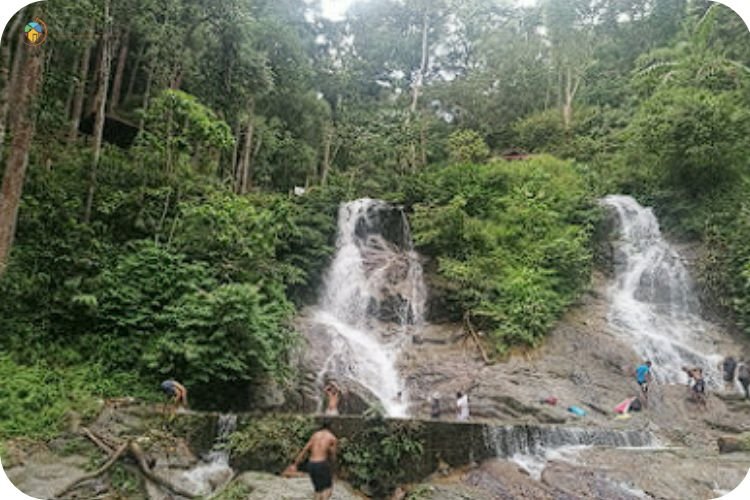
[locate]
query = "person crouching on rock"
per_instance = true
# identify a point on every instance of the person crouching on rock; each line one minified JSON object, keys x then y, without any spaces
{"x":176,"y":392}
{"x":334,"y":393}
{"x":322,"y":450}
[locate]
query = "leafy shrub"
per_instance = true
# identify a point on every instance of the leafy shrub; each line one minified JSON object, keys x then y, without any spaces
{"x":692,"y":139}
{"x":377,"y":458}
{"x":38,"y":400}
{"x":467,"y":146}
{"x":513,"y":238}
{"x":541,"y":132}
{"x":235,"y":332}
{"x":270,"y":442}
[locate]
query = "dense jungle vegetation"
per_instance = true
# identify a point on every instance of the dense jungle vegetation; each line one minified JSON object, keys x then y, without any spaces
{"x":150,"y":152}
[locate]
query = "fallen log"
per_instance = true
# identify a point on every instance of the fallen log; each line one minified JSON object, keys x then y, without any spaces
{"x":475,"y":337}
{"x":101,"y":470}
{"x":134,"y":450}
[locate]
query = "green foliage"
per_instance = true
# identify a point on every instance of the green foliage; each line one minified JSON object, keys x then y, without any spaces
{"x":692,"y":139}
{"x":377,"y":458}
{"x":271,"y":442}
{"x":234,"y":332}
{"x":178,"y":128}
{"x":39,"y":400}
{"x":513,"y":238}
{"x":235,"y":491}
{"x":467,"y":146}
{"x":541,"y":132}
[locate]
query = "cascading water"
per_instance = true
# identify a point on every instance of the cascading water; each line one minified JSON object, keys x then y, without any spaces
{"x":532,"y":447}
{"x":375,"y":277}
{"x":213,"y":470}
{"x":653,"y":303}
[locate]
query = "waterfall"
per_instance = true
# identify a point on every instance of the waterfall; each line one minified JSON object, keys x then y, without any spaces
{"x":531,"y":447}
{"x":509,"y":440}
{"x":654,"y":307}
{"x":213,"y":470}
{"x":375,"y":280}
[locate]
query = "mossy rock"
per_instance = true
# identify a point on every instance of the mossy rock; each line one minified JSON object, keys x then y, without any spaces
{"x":729,"y":444}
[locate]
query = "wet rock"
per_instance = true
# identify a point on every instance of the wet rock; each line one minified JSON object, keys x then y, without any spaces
{"x":264,"y":486}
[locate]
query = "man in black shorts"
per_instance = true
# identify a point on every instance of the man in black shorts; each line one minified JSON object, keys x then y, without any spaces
{"x":322,"y":449}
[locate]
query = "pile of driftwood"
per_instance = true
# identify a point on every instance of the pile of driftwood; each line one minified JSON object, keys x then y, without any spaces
{"x":117,"y":449}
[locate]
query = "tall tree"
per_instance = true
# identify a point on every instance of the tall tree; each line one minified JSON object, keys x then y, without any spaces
{"x":22,"y":126}
{"x":100,"y":100}
{"x":7,"y":69}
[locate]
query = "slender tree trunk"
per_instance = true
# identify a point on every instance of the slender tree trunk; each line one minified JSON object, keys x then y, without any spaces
{"x":7,"y":77}
{"x":91,"y":104}
{"x":101,"y":106}
{"x":417,"y":89}
{"x":235,"y":152}
{"x":146,"y":97}
{"x":15,"y":77}
{"x":23,"y":130}
{"x":327,"y":144}
{"x":80,"y":91}
{"x":134,"y":73}
{"x":247,"y":157}
{"x":122,"y":58}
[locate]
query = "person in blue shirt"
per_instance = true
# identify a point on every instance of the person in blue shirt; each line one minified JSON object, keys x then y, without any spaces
{"x":643,"y":377}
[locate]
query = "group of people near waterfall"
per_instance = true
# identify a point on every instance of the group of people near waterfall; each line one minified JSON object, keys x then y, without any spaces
{"x":731,"y":370}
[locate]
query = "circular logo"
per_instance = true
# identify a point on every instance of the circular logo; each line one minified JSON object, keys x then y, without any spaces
{"x":35,"y":32}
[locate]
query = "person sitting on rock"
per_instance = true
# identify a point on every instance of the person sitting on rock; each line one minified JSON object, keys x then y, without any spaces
{"x":177,"y":392}
{"x":743,"y":375}
{"x":334,"y":393}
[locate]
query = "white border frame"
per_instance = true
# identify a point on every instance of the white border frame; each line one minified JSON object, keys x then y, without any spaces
{"x":9,"y":7}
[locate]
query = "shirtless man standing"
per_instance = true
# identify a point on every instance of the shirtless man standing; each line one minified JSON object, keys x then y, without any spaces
{"x":322,"y":449}
{"x":333,"y":392}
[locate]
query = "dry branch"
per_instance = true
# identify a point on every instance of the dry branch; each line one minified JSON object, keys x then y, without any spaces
{"x":104,"y":468}
{"x":475,"y":337}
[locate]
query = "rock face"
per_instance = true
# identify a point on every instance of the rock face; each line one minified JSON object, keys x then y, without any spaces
{"x":263,"y":486}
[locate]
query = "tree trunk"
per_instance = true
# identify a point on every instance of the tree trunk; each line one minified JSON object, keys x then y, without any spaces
{"x":134,"y":73}
{"x":235,"y":152}
{"x":7,"y":77}
{"x":80,"y":91}
{"x":15,"y":77}
{"x":326,"y":165}
{"x":101,"y":106}
{"x":122,"y":58}
{"x":571,"y":89}
{"x":146,"y":98}
{"x":423,"y":66}
{"x":23,"y":130}
{"x":247,"y":157}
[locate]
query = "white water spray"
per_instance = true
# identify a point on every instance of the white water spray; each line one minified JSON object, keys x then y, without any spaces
{"x":654,"y":306}
{"x":213,"y":471}
{"x":374,"y":277}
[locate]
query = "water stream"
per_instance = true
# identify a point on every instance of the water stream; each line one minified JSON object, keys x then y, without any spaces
{"x":213,"y":471}
{"x":653,"y":305}
{"x":532,"y":447}
{"x":373,"y":284}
